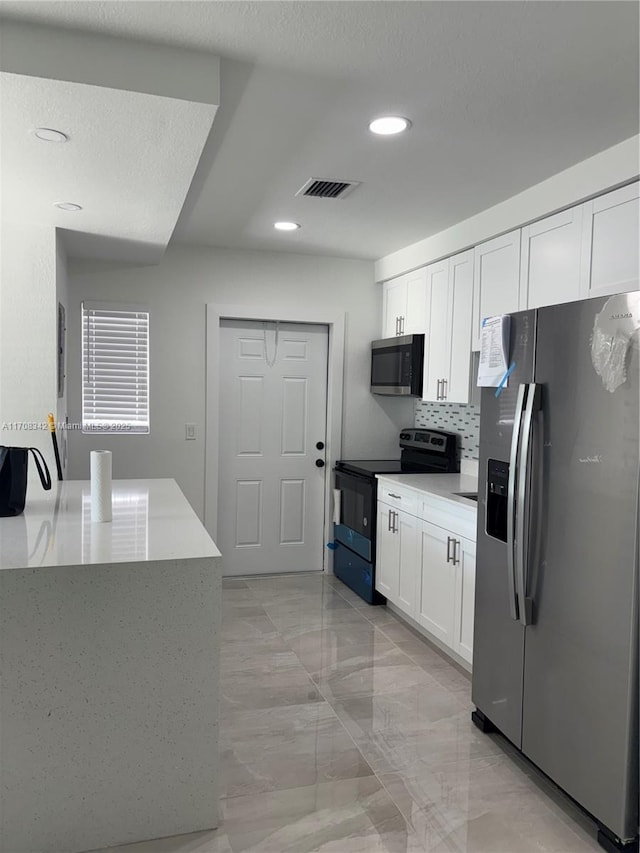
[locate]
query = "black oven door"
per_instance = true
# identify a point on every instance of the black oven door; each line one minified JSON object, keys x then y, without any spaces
{"x":357,"y":506}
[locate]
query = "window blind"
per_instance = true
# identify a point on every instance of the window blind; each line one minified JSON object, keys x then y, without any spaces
{"x":115,"y":369}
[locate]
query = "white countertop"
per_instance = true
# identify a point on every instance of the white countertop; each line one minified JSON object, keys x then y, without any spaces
{"x":152,"y":520}
{"x":439,"y":485}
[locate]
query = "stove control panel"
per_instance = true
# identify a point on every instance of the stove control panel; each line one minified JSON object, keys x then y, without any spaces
{"x":427,"y":438}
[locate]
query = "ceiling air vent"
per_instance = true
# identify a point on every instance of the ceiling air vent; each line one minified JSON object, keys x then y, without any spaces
{"x":327,"y":189}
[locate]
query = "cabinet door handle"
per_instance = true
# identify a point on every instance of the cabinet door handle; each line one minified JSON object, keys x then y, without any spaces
{"x":389,"y":514}
{"x":444,"y":389}
{"x":438,"y":389}
{"x":402,"y":325}
{"x":456,"y":559}
{"x":449,"y":541}
{"x":395,"y":521}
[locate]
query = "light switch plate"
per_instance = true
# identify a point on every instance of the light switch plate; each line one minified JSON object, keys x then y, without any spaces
{"x":190,"y":432}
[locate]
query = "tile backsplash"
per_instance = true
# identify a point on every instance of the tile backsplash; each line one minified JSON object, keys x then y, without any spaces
{"x":454,"y":417}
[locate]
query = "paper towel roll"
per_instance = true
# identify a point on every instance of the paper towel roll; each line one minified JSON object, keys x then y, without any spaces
{"x":100,"y":485}
{"x":337,"y":496}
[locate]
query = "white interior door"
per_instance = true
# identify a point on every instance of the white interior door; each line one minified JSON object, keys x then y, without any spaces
{"x":273,"y":407}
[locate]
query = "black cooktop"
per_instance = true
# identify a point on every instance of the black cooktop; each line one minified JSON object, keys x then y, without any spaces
{"x":369,"y":467}
{"x":424,"y":451}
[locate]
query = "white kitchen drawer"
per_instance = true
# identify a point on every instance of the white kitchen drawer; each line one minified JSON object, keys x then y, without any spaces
{"x":398,"y":496}
{"x":451,"y":515}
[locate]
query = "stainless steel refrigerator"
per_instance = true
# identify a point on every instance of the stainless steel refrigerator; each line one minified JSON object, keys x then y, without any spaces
{"x":555,"y":665}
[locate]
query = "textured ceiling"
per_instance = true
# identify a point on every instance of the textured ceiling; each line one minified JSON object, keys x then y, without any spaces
{"x":501,"y":95}
{"x":119,"y":163}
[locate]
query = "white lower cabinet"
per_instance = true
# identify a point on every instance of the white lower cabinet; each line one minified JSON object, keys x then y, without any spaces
{"x":388,"y":553}
{"x":438,"y":583}
{"x":426,"y":569}
{"x":465,"y":599}
{"x":407,"y":527}
{"x":447,"y":592}
{"x":397,"y":561}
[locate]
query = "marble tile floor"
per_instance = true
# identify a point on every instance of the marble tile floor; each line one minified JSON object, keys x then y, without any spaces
{"x":342,"y":731}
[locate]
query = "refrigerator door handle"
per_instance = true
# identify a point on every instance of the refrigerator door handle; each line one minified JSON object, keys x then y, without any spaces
{"x":511,"y":503}
{"x":525,"y":604}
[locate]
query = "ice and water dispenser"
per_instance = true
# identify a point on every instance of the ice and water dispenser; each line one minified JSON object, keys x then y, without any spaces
{"x":497,"y":491}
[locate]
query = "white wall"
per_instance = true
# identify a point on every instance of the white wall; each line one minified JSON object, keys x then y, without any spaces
{"x":28,"y":311}
{"x":176,"y":293}
{"x":612,"y":167}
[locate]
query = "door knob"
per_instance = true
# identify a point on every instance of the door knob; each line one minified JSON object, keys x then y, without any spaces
{"x":319,"y":445}
{"x":319,"y":463}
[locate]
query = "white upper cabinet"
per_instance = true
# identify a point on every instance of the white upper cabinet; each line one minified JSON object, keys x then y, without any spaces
{"x":394,"y":304}
{"x":589,"y":250}
{"x":611,"y":228}
{"x":461,"y":310}
{"x":551,"y":254}
{"x":449,"y":301}
{"x":415,"y":320}
{"x":403,"y":304}
{"x":438,"y":340}
{"x":496,"y":280}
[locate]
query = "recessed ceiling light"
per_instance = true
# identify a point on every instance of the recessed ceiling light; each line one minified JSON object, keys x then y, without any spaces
{"x":48,"y":134}
{"x":388,"y":125}
{"x":68,"y":205}
{"x":286,"y":226}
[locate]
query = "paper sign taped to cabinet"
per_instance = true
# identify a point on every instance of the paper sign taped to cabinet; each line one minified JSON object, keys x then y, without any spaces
{"x":494,"y":351}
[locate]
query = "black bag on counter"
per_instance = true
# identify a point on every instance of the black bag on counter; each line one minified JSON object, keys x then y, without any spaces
{"x":13,"y":477}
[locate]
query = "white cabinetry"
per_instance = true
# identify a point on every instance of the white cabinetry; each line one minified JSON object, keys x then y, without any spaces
{"x":388,"y":553}
{"x":551,"y":255}
{"x":403,"y":304}
{"x":449,"y":294}
{"x":438,"y":587}
{"x":396,"y":559}
{"x":394,"y":304}
{"x":425,"y":562}
{"x":611,"y":225}
{"x":496,"y":279}
{"x":447,"y":573}
{"x":465,"y":599}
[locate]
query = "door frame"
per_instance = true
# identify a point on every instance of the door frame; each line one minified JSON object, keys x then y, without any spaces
{"x":335,"y":380}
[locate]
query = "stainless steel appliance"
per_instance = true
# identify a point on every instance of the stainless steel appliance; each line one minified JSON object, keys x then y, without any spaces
{"x":354,"y":561}
{"x":555,"y":665}
{"x":397,"y":366}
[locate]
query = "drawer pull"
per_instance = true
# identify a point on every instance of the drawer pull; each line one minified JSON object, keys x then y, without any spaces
{"x":398,"y":497}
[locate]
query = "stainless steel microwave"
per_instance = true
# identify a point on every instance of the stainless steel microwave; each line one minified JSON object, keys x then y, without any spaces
{"x":396,"y":366}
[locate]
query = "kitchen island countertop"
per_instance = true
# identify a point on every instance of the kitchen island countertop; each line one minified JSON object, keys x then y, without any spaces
{"x":152,"y":520}
{"x":110,"y":637}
